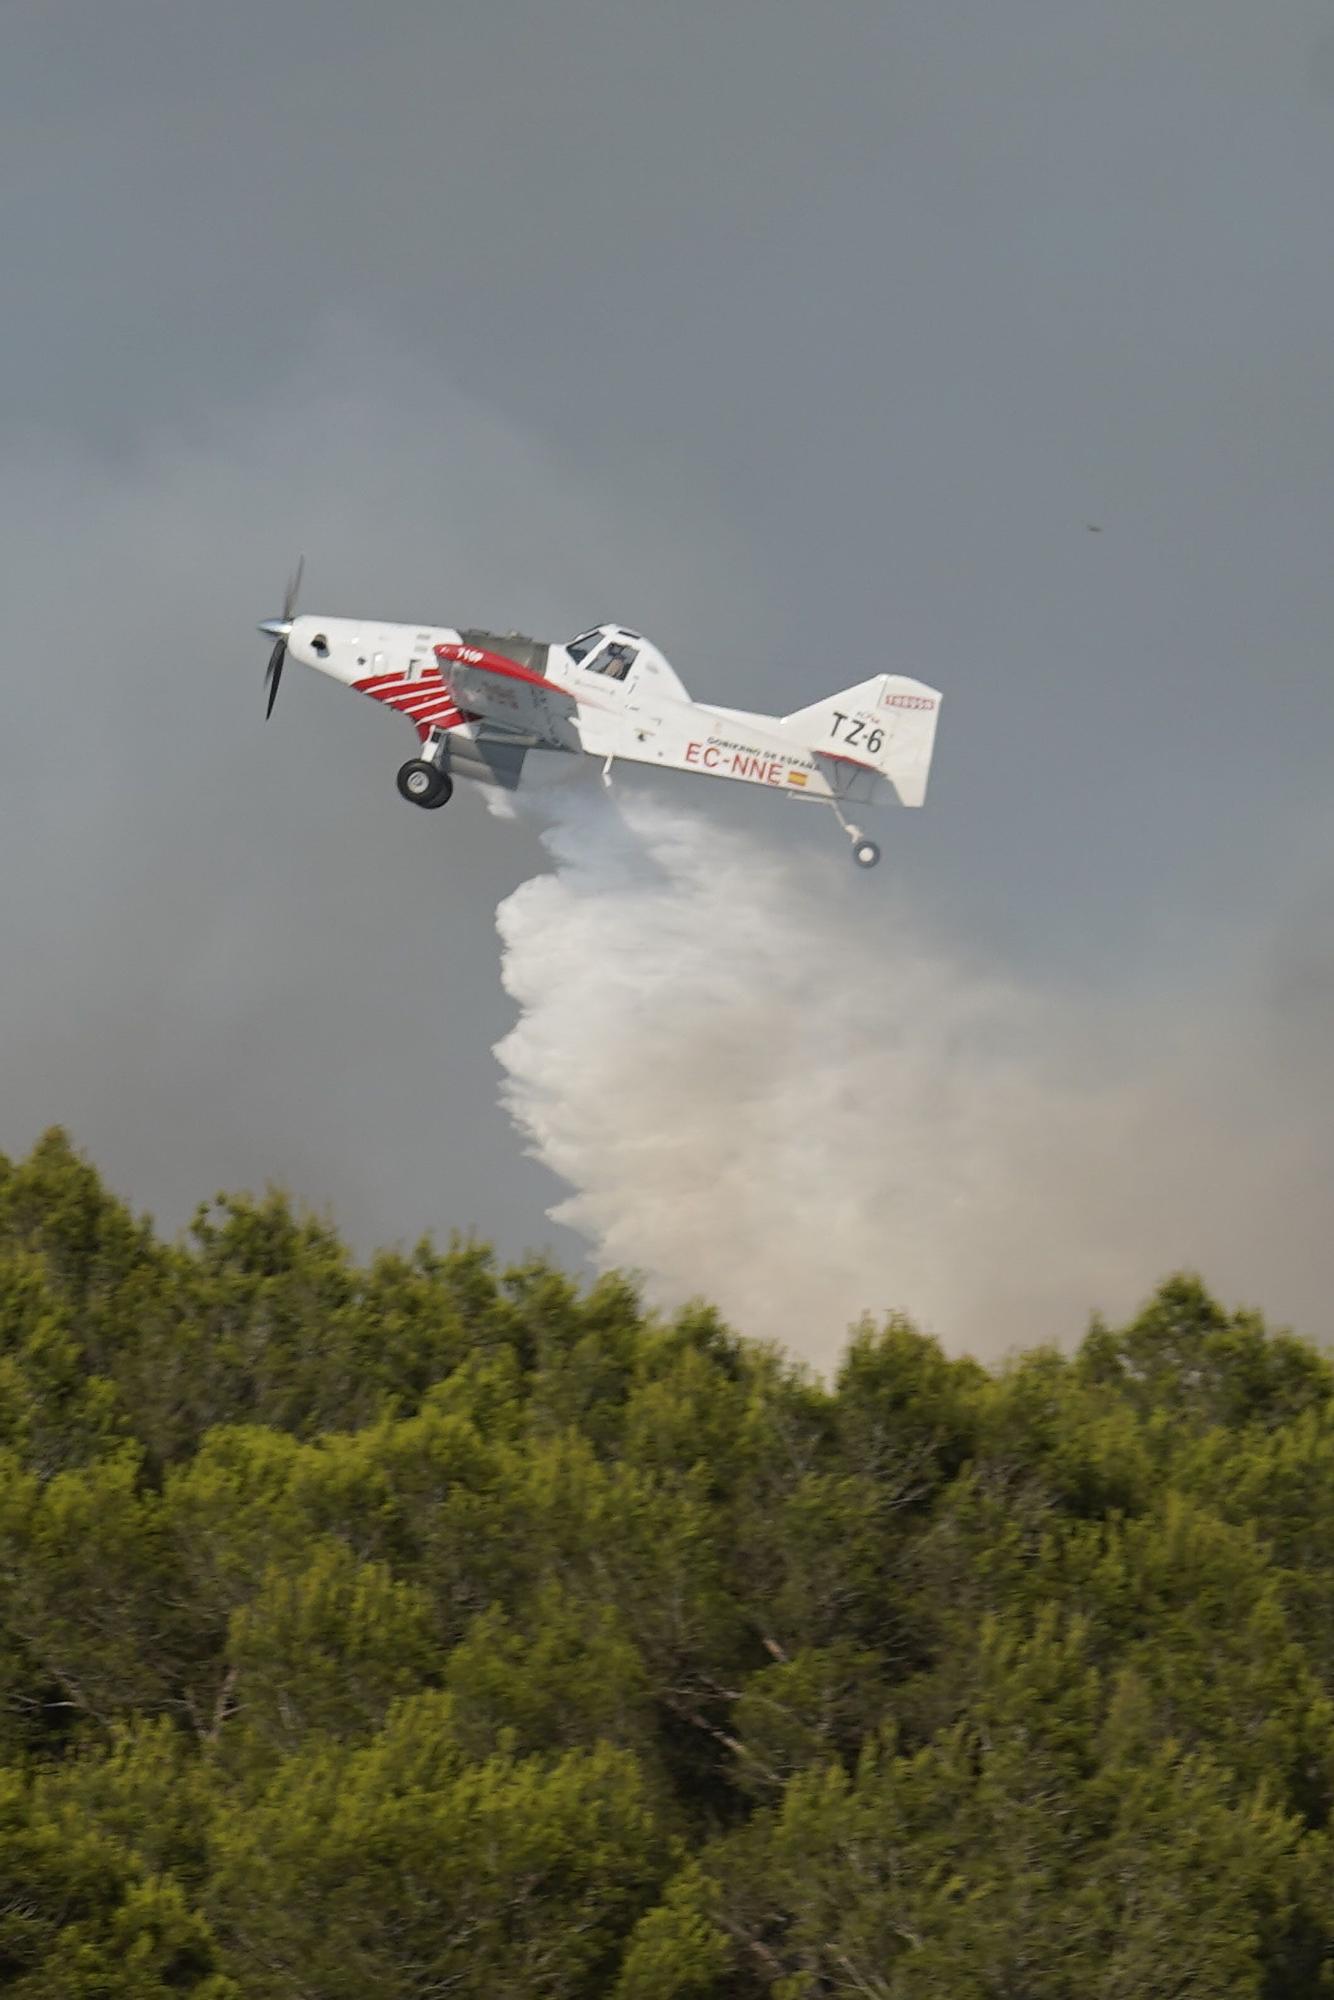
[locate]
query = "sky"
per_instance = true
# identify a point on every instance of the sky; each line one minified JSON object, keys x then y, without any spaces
{"x":799,"y":337}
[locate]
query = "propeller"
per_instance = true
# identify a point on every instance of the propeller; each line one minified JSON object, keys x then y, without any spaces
{"x":280,"y":630}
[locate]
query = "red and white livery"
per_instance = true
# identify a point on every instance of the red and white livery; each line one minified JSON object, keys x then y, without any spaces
{"x":481,"y":701}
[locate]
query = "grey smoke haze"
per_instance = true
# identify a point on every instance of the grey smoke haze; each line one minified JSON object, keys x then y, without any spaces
{"x":786,"y":334}
{"x":232,"y":955}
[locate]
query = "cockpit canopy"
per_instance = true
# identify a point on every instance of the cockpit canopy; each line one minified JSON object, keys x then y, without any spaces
{"x":617,"y":653}
{"x":607,"y":649}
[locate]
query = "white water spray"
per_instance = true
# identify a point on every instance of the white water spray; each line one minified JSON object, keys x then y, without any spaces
{"x":765,"y":1086}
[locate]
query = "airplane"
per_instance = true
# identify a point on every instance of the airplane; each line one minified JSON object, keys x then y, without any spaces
{"x":480,"y":701}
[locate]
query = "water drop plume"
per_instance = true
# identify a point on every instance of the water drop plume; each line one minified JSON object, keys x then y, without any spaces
{"x":766,"y":1083}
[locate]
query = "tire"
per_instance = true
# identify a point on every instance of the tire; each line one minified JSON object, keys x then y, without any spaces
{"x":423,"y":784}
{"x":865,"y":853}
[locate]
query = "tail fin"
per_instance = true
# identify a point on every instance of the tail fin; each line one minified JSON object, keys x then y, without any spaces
{"x":886,"y":725}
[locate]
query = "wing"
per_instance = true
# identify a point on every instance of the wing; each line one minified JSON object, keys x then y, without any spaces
{"x":427,"y":699}
{"x":501,"y":693}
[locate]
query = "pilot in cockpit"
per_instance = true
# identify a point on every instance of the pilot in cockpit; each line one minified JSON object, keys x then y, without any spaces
{"x":600,"y":655}
{"x":615,"y":660}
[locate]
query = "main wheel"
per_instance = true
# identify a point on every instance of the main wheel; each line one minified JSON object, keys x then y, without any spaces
{"x":865,"y":853}
{"x":424,"y":784}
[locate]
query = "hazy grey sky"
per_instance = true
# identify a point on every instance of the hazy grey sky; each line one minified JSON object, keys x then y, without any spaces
{"x":785,"y":332}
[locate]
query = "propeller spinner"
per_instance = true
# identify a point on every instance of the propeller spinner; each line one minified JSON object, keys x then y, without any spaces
{"x":279,"y":630}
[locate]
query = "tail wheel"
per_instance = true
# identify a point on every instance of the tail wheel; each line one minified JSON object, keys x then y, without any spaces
{"x":424,"y":784}
{"x":865,"y":853}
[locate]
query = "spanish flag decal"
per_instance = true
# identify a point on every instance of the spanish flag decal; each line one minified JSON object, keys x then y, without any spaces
{"x":796,"y":777}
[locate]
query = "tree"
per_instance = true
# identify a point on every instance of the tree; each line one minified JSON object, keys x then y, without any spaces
{"x":1049,"y":1843}
{"x":422,"y":1626}
{"x":403,"y":1868}
{"x":81,"y":1918}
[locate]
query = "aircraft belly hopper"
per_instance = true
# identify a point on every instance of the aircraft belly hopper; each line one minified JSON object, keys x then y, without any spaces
{"x":481,"y":702}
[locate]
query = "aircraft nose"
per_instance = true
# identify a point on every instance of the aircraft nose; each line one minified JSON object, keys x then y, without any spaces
{"x":277,"y":628}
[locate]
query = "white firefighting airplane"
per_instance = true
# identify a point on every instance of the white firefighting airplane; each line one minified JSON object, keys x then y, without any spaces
{"x":480,"y":701}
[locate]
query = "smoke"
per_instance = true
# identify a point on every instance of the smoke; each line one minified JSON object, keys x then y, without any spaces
{"x":767,"y":1084}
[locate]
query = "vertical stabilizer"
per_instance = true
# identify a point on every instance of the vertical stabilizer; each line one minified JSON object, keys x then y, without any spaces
{"x":887,"y":725}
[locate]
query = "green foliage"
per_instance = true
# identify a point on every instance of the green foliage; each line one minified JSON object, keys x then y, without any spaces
{"x":677,"y":1951}
{"x":81,"y":1915}
{"x":424,"y":1627}
{"x":328,"y":1648}
{"x":567,"y":1675}
{"x":404,"y":1867}
{"x":1050,"y":1844}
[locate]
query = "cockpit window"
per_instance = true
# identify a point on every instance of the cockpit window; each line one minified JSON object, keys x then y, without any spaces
{"x":579,"y":649}
{"x":615,"y":660}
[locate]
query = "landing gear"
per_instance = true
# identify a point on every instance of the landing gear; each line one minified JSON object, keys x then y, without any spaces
{"x":864,"y":852}
{"x":424,"y":784}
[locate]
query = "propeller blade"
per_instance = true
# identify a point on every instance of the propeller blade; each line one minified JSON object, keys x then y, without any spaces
{"x":290,"y":596}
{"x":279,"y":629}
{"x":274,"y":673}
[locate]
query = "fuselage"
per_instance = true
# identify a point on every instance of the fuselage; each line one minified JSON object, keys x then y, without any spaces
{"x":609,"y":693}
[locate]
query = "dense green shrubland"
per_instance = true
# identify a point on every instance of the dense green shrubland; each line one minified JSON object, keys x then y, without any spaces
{"x":420,"y":1629}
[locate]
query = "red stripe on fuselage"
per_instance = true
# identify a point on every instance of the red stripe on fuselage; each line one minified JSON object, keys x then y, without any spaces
{"x":426,"y":701}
